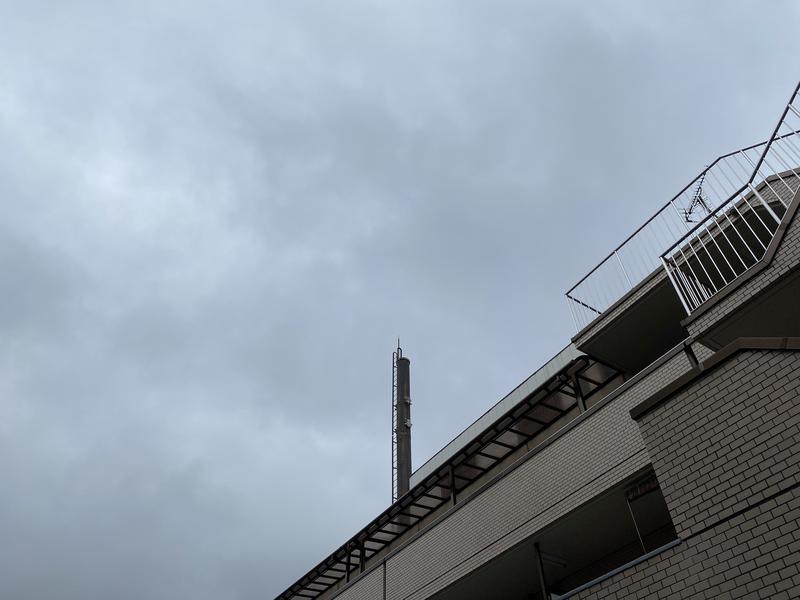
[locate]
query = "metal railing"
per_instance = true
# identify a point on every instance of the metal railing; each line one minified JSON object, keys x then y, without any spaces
{"x":735,"y":235}
{"x":719,"y":190}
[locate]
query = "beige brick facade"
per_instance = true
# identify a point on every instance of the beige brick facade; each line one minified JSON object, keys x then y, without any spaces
{"x":725,"y":450}
{"x":755,"y":555}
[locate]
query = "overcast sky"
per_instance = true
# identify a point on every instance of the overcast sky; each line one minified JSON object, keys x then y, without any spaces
{"x":216,"y":219}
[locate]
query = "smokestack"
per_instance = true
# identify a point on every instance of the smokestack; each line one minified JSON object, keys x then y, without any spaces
{"x":401,"y":426}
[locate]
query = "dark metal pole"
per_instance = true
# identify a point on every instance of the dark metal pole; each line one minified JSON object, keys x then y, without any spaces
{"x":687,"y":348}
{"x":540,"y":570}
{"x":362,"y":560}
{"x":452,"y":478}
{"x":403,"y":425}
{"x":635,"y":525}
{"x":774,"y":133}
{"x":347,"y":566}
{"x":579,"y":394}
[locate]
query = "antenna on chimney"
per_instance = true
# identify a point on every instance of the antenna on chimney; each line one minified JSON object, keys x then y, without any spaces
{"x":401,"y":423}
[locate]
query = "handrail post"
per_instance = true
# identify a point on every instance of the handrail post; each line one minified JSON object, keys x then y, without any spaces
{"x":775,"y":133}
{"x":675,"y":285}
{"x":764,"y":203}
{"x":572,"y":312}
{"x":621,"y":266}
{"x":540,"y":570}
{"x":452,"y":479}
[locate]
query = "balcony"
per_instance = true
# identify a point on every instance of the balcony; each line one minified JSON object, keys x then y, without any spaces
{"x":707,"y":235}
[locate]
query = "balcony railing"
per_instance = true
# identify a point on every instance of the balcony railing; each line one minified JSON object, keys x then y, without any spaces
{"x":736,"y":234}
{"x":709,"y":233}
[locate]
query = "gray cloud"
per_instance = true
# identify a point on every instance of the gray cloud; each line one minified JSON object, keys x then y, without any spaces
{"x":216,"y":218}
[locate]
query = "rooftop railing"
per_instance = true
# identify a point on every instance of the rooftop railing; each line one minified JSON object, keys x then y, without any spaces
{"x":688,"y":233}
{"x":735,"y":235}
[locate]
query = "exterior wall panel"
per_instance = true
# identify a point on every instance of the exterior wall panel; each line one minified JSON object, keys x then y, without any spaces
{"x":728,"y":440}
{"x":369,"y":587}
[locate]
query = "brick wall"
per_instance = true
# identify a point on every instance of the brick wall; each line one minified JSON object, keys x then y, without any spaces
{"x":368,"y":587}
{"x":755,"y":555}
{"x":729,"y":439}
{"x":725,"y":450}
{"x":701,"y":351}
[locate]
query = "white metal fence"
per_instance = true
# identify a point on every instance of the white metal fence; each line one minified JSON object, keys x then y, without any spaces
{"x":744,"y":187}
{"x":735,"y":235}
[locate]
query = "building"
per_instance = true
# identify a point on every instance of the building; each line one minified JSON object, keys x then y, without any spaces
{"x":658,"y":454}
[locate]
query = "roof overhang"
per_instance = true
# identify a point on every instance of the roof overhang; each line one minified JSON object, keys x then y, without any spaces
{"x":529,"y":411}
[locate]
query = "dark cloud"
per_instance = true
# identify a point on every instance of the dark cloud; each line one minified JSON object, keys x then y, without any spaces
{"x":216,"y":218}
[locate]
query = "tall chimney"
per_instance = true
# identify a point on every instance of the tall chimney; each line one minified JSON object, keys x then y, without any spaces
{"x":401,"y":430}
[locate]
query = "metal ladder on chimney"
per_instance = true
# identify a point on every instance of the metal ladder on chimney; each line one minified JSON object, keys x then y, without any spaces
{"x":395,"y":356}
